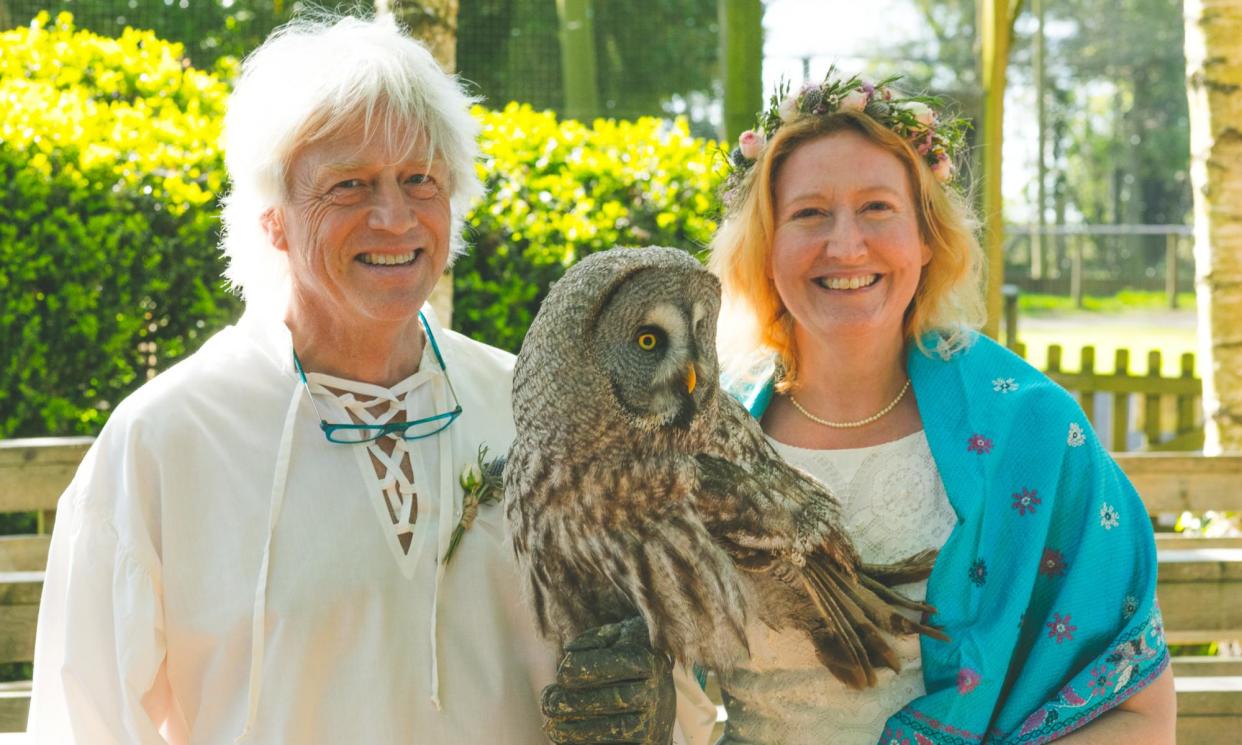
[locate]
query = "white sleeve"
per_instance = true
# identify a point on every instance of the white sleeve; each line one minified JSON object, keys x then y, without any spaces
{"x":696,"y":714}
{"x":99,"y":674}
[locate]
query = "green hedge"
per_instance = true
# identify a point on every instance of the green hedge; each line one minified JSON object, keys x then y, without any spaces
{"x":109,"y":220}
{"x":559,"y":191}
{"x":108,"y":227}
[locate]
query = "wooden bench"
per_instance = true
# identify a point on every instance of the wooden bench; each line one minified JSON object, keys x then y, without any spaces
{"x":1200,"y":579}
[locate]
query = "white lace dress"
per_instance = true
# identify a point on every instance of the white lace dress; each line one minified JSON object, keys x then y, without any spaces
{"x":893,"y":504}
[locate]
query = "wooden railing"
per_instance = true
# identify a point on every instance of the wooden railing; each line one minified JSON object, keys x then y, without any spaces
{"x":1200,"y":579}
{"x":1168,"y":408}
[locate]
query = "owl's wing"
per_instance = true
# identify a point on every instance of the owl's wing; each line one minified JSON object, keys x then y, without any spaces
{"x":776,"y":520}
{"x":602,"y":539}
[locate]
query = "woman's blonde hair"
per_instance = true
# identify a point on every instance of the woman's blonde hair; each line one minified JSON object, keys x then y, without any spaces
{"x":949,"y":297}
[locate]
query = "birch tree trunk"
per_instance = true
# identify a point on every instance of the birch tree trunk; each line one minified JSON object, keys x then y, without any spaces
{"x":1214,"y":89}
{"x":434,"y":22}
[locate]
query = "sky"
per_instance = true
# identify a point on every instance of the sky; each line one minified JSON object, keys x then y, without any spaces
{"x":829,"y":31}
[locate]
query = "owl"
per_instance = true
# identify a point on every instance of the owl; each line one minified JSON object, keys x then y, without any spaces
{"x":636,"y":485}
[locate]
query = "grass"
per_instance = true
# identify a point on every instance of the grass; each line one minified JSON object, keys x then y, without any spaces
{"x":1108,"y":324}
{"x":1138,"y":338}
{"x":1036,"y":305}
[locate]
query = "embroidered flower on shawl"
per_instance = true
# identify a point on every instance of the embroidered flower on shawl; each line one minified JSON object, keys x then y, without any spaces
{"x":1156,"y":632}
{"x":921,"y":739}
{"x":1025,"y":501}
{"x":1034,"y":721}
{"x":979,"y":444}
{"x":1126,"y":657}
{"x":1069,"y":697}
{"x":1109,"y":517}
{"x":1052,"y":563}
{"x":1060,"y":628}
{"x":1004,"y":385}
{"x":1102,"y":679}
{"x":1129,"y":606}
{"x":967,"y":680}
{"x":1131,"y":651}
{"x":1076,"y":436}
{"x":894,"y":737}
{"x":978,"y":572}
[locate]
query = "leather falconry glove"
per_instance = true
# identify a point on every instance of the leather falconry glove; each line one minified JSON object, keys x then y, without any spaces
{"x":611,"y":688}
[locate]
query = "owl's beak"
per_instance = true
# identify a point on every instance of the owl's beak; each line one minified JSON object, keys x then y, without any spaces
{"x":691,"y":378}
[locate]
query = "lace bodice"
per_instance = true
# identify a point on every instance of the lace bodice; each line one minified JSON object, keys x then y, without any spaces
{"x":893,"y":505}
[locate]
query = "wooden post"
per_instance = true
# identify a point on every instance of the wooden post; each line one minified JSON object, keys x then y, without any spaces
{"x":1041,"y":116}
{"x":1086,"y":396}
{"x":1187,"y":405}
{"x":1076,"y":270}
{"x":578,"y":59}
{"x":45,"y":520}
{"x":1170,"y":269}
{"x":741,"y":58}
{"x":1121,"y":401}
{"x":1151,"y":402}
{"x":1011,"y":315}
{"x":1054,"y":358}
{"x":433,"y":22}
{"x":996,"y":19}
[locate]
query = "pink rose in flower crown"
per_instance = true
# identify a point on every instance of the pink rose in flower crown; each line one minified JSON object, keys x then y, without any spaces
{"x":855,"y":100}
{"x":922,"y":112}
{"x":924,"y":145}
{"x":942,"y":169}
{"x":750,"y":143}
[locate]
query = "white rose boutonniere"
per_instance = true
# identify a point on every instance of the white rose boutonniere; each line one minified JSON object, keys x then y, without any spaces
{"x":481,"y":482}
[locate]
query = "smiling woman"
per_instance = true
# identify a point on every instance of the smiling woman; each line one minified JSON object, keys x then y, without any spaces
{"x":853,"y":275}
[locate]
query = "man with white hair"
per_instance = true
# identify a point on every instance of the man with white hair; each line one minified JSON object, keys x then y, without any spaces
{"x":279,"y":539}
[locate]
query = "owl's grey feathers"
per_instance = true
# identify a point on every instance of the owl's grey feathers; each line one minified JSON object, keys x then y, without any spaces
{"x":635,"y":484}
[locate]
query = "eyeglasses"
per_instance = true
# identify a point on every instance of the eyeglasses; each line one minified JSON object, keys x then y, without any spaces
{"x":348,"y":434}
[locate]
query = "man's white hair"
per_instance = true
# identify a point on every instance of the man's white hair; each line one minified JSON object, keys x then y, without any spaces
{"x":310,"y":80}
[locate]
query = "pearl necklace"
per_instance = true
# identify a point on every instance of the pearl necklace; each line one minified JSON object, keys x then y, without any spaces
{"x":860,"y":422}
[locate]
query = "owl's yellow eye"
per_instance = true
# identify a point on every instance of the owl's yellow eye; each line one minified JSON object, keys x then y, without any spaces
{"x":647,"y":341}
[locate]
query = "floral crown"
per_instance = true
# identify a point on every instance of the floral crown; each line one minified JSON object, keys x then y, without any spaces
{"x":938,"y":137}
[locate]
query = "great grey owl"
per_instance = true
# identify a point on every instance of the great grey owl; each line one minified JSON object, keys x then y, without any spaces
{"x":635,"y":485}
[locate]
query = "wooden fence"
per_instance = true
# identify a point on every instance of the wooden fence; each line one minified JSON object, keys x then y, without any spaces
{"x":1162,"y":414}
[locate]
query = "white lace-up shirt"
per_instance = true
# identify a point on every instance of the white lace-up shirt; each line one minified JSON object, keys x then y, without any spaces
{"x":893,"y":505}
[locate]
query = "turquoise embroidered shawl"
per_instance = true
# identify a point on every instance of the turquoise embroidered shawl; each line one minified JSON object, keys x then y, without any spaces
{"x":1046,"y":587}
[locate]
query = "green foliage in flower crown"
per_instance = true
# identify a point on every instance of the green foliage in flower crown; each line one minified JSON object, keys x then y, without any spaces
{"x":558,"y":191}
{"x":108,"y":219}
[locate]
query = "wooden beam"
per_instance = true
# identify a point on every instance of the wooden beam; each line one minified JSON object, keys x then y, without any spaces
{"x":578,"y":59}
{"x":996,"y":19}
{"x":34,"y":472}
{"x":1176,"y":482}
{"x":741,"y":58}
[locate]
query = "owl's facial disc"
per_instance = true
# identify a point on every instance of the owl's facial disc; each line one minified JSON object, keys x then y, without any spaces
{"x":657,"y":372}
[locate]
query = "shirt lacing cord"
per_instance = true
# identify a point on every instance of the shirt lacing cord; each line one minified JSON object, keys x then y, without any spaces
{"x":400,"y":493}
